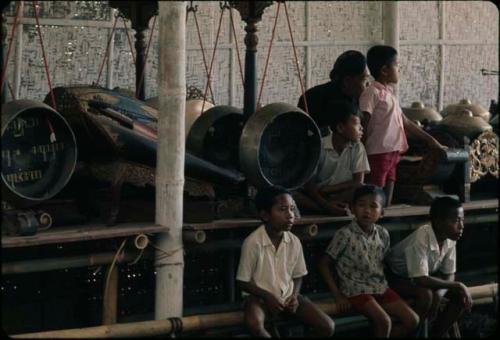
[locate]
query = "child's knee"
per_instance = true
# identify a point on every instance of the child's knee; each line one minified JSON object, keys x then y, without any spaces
{"x":412,"y":321}
{"x":328,"y":328}
{"x":383,"y":322}
{"x":424,"y":298}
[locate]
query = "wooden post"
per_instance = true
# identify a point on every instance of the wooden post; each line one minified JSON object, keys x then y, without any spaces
{"x":169,"y":261}
{"x":390,"y":17}
{"x":251,"y":12}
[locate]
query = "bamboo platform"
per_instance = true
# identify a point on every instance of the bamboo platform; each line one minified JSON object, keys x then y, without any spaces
{"x":91,"y":232}
{"x":392,"y":211}
{"x":78,"y":233}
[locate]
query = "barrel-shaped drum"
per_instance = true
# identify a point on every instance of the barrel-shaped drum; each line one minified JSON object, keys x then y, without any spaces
{"x":280,"y":145}
{"x":214,"y":136}
{"x":38,"y":152}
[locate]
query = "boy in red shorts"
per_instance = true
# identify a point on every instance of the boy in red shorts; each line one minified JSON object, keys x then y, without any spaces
{"x":384,"y":122}
{"x":356,"y":253}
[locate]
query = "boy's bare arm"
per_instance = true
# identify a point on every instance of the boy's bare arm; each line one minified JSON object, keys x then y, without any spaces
{"x":325,"y":268}
{"x":271,"y":300}
{"x":312,"y":190}
{"x":412,"y":128}
{"x":365,"y":119}
{"x":446,"y":282}
{"x":357,"y":180}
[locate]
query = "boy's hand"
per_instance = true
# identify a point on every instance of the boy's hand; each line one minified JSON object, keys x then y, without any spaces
{"x":467,"y":298}
{"x":338,"y":208}
{"x":342,"y":303}
{"x":274,"y":304}
{"x":291,"y":304}
{"x":436,"y":145}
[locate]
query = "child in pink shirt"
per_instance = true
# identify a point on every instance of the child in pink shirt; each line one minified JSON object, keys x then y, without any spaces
{"x":384,"y":122}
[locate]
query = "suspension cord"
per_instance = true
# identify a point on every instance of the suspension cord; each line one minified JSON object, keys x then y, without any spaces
{"x":128,"y":38}
{"x":213,"y":57}
{"x":268,"y":53}
{"x":296,"y":59}
{"x":52,"y":135}
{"x":194,"y":9}
{"x":143,"y":68}
{"x":237,"y":48}
{"x":9,"y":50}
{"x":107,"y":50}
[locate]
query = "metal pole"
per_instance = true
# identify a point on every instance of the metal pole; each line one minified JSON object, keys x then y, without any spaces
{"x":169,"y":260}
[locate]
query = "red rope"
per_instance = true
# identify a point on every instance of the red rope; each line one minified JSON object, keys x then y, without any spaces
{"x":9,"y":50}
{"x":296,"y":59}
{"x":129,"y":40}
{"x":52,"y":135}
{"x":213,"y":57}
{"x":54,"y":106}
{"x":11,"y":90}
{"x":202,"y":53}
{"x":107,"y":51}
{"x":141,"y":79}
{"x":237,"y":48}
{"x":268,"y":54}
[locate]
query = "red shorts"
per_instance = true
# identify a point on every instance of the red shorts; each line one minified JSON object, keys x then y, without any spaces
{"x":357,"y":301}
{"x":382,"y":168}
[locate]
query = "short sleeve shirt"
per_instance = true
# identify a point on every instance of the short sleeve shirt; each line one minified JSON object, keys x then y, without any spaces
{"x":334,"y":168}
{"x":270,"y":269}
{"x":385,"y":132}
{"x":419,"y":255}
{"x":359,"y":259}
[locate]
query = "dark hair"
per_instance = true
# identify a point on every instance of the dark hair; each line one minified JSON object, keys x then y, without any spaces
{"x":368,"y":189}
{"x":341,"y":111}
{"x":349,"y":63}
{"x":379,"y":56}
{"x":442,"y":206}
{"x":266,"y":197}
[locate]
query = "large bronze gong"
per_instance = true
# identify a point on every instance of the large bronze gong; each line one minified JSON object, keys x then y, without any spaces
{"x":38,"y":152}
{"x":280,"y":145}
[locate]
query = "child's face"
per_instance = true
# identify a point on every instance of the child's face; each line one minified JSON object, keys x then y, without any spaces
{"x":392,"y":71}
{"x":452,"y":226}
{"x":282,"y":214}
{"x":351,"y":129}
{"x":368,"y":209}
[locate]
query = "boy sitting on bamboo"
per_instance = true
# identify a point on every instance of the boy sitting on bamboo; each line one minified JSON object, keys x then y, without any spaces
{"x":423,"y":265}
{"x":272,"y":266}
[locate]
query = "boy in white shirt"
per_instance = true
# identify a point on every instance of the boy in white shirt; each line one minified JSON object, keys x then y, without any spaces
{"x":342,"y":166}
{"x":423,"y":265}
{"x":272,"y":266}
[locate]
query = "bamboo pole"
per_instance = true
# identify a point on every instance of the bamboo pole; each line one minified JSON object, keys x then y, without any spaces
{"x":42,"y":265}
{"x":203,"y":321}
{"x":110,"y":297}
{"x":194,"y":236}
{"x":169,"y":261}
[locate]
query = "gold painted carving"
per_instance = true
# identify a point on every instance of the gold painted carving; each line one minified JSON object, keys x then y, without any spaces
{"x":484,"y":156}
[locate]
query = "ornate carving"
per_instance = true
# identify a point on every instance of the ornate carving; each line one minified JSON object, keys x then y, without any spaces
{"x":250,"y":10}
{"x":484,"y":156}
